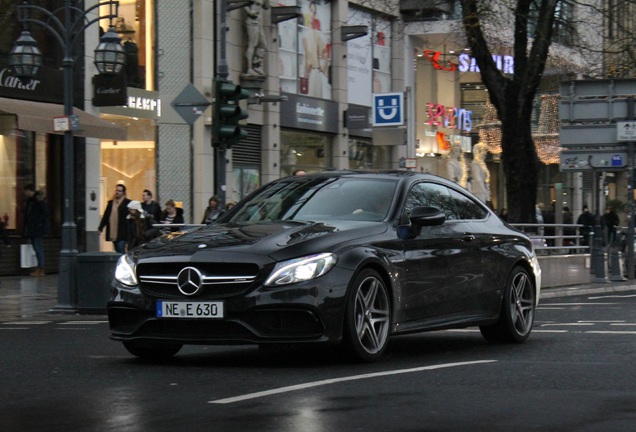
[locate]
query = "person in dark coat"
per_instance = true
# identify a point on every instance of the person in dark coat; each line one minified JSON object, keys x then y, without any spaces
{"x":36,"y":224}
{"x":171,"y":215}
{"x":114,"y":219}
{"x":609,"y":222}
{"x":587,"y":220}
{"x":212,"y":211}
{"x":152,"y":209}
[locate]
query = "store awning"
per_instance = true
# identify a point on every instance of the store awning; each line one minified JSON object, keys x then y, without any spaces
{"x":38,"y":117}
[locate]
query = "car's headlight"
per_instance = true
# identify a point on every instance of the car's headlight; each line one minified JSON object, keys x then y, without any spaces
{"x":125,"y":271}
{"x":301,"y":269}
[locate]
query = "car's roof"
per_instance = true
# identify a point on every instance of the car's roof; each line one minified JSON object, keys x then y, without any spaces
{"x":370,"y":173}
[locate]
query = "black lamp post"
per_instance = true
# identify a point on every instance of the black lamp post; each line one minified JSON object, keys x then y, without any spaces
{"x":67,"y":25}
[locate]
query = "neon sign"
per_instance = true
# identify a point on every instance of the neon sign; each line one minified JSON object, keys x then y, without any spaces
{"x":449,"y":117}
{"x":433,"y":57}
{"x":505,"y":63}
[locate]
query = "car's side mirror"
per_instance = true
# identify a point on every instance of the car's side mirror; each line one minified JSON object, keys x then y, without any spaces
{"x":419,"y":217}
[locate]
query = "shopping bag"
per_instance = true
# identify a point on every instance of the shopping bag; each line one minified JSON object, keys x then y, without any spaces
{"x":27,"y":256}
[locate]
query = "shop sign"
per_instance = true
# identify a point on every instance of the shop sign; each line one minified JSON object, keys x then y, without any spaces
{"x":449,"y":117}
{"x":46,"y":86}
{"x":467,"y":63}
{"x":358,"y":120}
{"x":139,"y":103}
{"x":307,"y":113}
{"x":109,"y":90}
{"x":505,"y":64}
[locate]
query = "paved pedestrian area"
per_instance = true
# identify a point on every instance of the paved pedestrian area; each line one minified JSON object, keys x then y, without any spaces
{"x":25,"y":297}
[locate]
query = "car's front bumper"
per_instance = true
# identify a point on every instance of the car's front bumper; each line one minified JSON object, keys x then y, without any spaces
{"x":311,"y":311}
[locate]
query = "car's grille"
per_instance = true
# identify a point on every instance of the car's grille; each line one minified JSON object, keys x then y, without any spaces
{"x":218,"y":280}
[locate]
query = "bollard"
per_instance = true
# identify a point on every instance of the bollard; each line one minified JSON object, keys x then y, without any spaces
{"x":599,"y":261}
{"x":617,"y":265}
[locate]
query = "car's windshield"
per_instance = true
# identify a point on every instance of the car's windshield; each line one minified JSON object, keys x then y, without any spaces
{"x":307,"y":199}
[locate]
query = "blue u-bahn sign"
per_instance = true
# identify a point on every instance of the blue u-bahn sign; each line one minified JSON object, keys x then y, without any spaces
{"x":388,"y":109}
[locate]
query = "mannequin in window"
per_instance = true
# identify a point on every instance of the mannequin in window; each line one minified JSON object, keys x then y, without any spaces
{"x":454,"y":169}
{"x":479,"y":173}
{"x":255,"y":35}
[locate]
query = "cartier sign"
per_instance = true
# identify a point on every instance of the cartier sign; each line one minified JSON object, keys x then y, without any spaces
{"x":45,"y":86}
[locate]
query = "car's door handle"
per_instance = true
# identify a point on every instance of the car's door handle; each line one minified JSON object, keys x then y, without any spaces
{"x":468,"y":237}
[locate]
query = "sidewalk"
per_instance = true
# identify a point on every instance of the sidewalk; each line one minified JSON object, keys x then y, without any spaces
{"x":25,"y":297}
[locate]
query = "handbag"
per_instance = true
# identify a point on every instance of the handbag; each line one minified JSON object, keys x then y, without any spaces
{"x":27,"y":256}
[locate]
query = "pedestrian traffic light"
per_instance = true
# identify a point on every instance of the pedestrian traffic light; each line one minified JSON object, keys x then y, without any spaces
{"x":227,"y":114}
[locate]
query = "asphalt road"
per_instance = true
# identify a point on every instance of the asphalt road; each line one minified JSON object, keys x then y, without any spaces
{"x":575,"y":373}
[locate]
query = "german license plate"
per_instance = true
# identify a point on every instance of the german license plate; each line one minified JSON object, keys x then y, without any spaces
{"x":181,"y":309}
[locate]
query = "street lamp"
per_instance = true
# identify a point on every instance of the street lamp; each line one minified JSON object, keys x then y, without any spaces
{"x":25,"y":59}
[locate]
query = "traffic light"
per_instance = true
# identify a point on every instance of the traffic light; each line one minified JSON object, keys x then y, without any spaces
{"x":228,"y":113}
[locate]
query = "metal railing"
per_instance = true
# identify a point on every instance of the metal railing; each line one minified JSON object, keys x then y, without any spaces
{"x":556,"y":242}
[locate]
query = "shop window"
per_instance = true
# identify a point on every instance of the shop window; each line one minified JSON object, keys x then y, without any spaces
{"x":305,"y":50}
{"x":368,"y":58}
{"x":364,"y":155}
{"x":309,"y":152}
{"x":135,"y":26}
{"x":131,"y":162}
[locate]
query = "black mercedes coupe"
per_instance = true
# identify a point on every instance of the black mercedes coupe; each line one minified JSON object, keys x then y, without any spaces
{"x":340,"y":257}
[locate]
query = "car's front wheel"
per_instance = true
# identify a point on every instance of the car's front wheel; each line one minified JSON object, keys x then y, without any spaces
{"x":368,"y":317}
{"x":517,"y":312}
{"x":152,"y":351}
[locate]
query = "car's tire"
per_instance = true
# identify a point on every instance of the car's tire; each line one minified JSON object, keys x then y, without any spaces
{"x":152,"y":351}
{"x":517,"y":311}
{"x":367,"y":317}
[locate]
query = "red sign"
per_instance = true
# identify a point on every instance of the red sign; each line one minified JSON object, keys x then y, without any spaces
{"x":433,"y":57}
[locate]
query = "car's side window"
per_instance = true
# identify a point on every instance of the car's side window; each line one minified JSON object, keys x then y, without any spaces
{"x":430,"y":195}
{"x":467,"y":208}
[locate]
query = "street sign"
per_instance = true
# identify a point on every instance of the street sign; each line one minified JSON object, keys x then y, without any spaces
{"x":626,"y":131}
{"x":388,"y":109}
{"x":581,"y":160}
{"x":61,"y":124}
{"x":190,"y":104}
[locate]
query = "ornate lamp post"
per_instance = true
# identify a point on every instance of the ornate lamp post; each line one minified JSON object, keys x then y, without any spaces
{"x":67,"y":25}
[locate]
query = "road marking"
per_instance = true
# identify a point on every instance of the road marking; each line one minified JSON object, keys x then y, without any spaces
{"x":568,"y":324}
{"x":82,"y":322}
{"x":465,"y":330}
{"x":26,"y":322}
{"x":624,"y":332}
{"x":15,"y":328}
{"x":582,"y":304}
{"x":612,"y":296}
{"x":339,"y":380}
{"x":548,"y":331}
{"x":623,"y":324}
{"x":602,"y":321}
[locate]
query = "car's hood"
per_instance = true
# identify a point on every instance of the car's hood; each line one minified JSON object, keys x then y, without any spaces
{"x":276,"y":239}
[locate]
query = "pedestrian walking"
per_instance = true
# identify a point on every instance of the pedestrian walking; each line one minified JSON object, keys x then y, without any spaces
{"x":36,"y":224}
{"x":4,"y":221}
{"x":587,"y":220}
{"x":114,"y":219}
{"x":151,"y":208}
{"x":609,"y":222}
{"x":171,"y":215}
{"x":213,"y":211}
{"x":137,"y":225}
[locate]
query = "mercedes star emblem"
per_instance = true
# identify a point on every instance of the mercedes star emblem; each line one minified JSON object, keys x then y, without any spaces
{"x":189,"y":281}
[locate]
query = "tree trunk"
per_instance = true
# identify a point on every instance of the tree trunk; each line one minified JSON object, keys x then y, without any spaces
{"x":520,"y":165}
